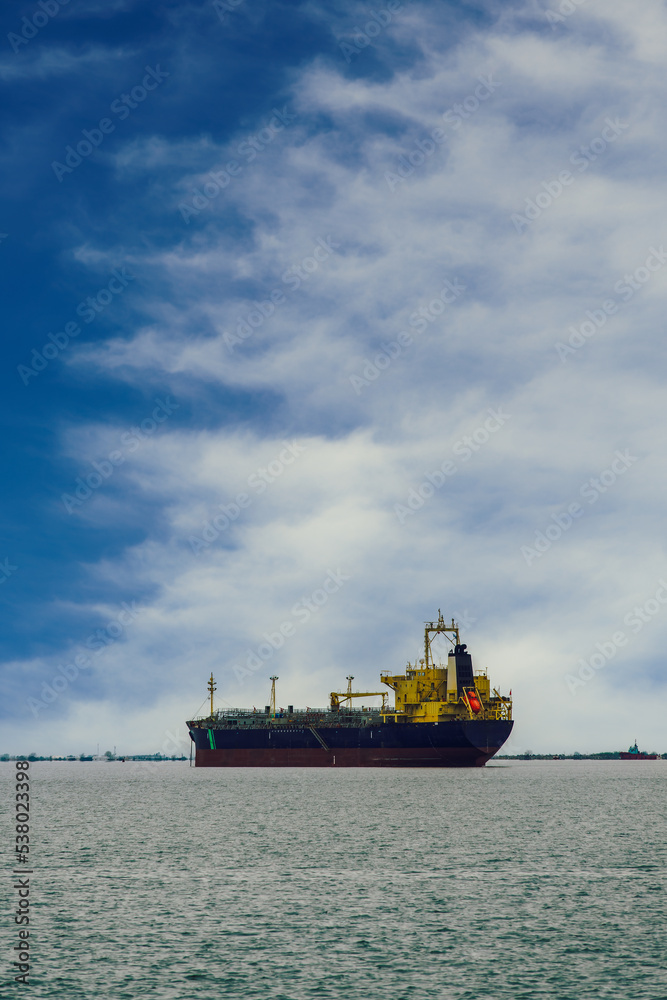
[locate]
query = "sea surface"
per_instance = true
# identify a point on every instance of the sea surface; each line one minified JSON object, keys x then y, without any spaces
{"x":524,"y":879}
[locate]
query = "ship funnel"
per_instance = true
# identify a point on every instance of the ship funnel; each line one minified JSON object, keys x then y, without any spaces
{"x":464,"y":674}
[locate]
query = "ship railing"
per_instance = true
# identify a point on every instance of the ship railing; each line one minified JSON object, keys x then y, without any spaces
{"x":498,"y":712}
{"x":250,"y":714}
{"x":310,"y":714}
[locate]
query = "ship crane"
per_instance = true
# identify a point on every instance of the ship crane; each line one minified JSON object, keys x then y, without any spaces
{"x":337,"y":697}
{"x":272,"y":706}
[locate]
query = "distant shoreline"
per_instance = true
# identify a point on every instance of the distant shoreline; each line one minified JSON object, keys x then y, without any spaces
{"x":88,"y":758}
{"x":122,"y":758}
{"x":603,"y":755}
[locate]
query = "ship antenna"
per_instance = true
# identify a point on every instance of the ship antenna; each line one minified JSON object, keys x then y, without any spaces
{"x":211,"y":687}
{"x":272,"y":709}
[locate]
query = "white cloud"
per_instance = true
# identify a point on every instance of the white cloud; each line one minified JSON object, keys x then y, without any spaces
{"x":41,"y":63}
{"x":493,"y":347}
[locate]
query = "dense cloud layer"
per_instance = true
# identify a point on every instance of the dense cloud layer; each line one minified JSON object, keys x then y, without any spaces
{"x":396,"y":323}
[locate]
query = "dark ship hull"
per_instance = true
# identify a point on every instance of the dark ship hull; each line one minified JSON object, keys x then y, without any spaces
{"x":456,"y":743}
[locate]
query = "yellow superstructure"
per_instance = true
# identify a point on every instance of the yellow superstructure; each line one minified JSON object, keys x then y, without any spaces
{"x":430,"y":692}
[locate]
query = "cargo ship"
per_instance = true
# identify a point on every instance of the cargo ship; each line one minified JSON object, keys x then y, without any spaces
{"x":634,"y":753}
{"x":444,"y":715}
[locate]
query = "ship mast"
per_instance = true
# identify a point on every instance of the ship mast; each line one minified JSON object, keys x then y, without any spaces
{"x":437,"y":627}
{"x":272,"y":709}
{"x":211,"y":687}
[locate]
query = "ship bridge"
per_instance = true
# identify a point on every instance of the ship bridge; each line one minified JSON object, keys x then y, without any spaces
{"x":430,"y":692}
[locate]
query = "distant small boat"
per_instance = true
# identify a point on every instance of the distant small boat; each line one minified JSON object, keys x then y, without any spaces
{"x":634,"y":753}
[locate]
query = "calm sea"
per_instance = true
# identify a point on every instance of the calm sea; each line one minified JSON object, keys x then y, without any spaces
{"x":521,"y":880}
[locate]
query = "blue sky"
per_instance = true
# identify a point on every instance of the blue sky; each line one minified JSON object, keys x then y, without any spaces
{"x":362,"y":301}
